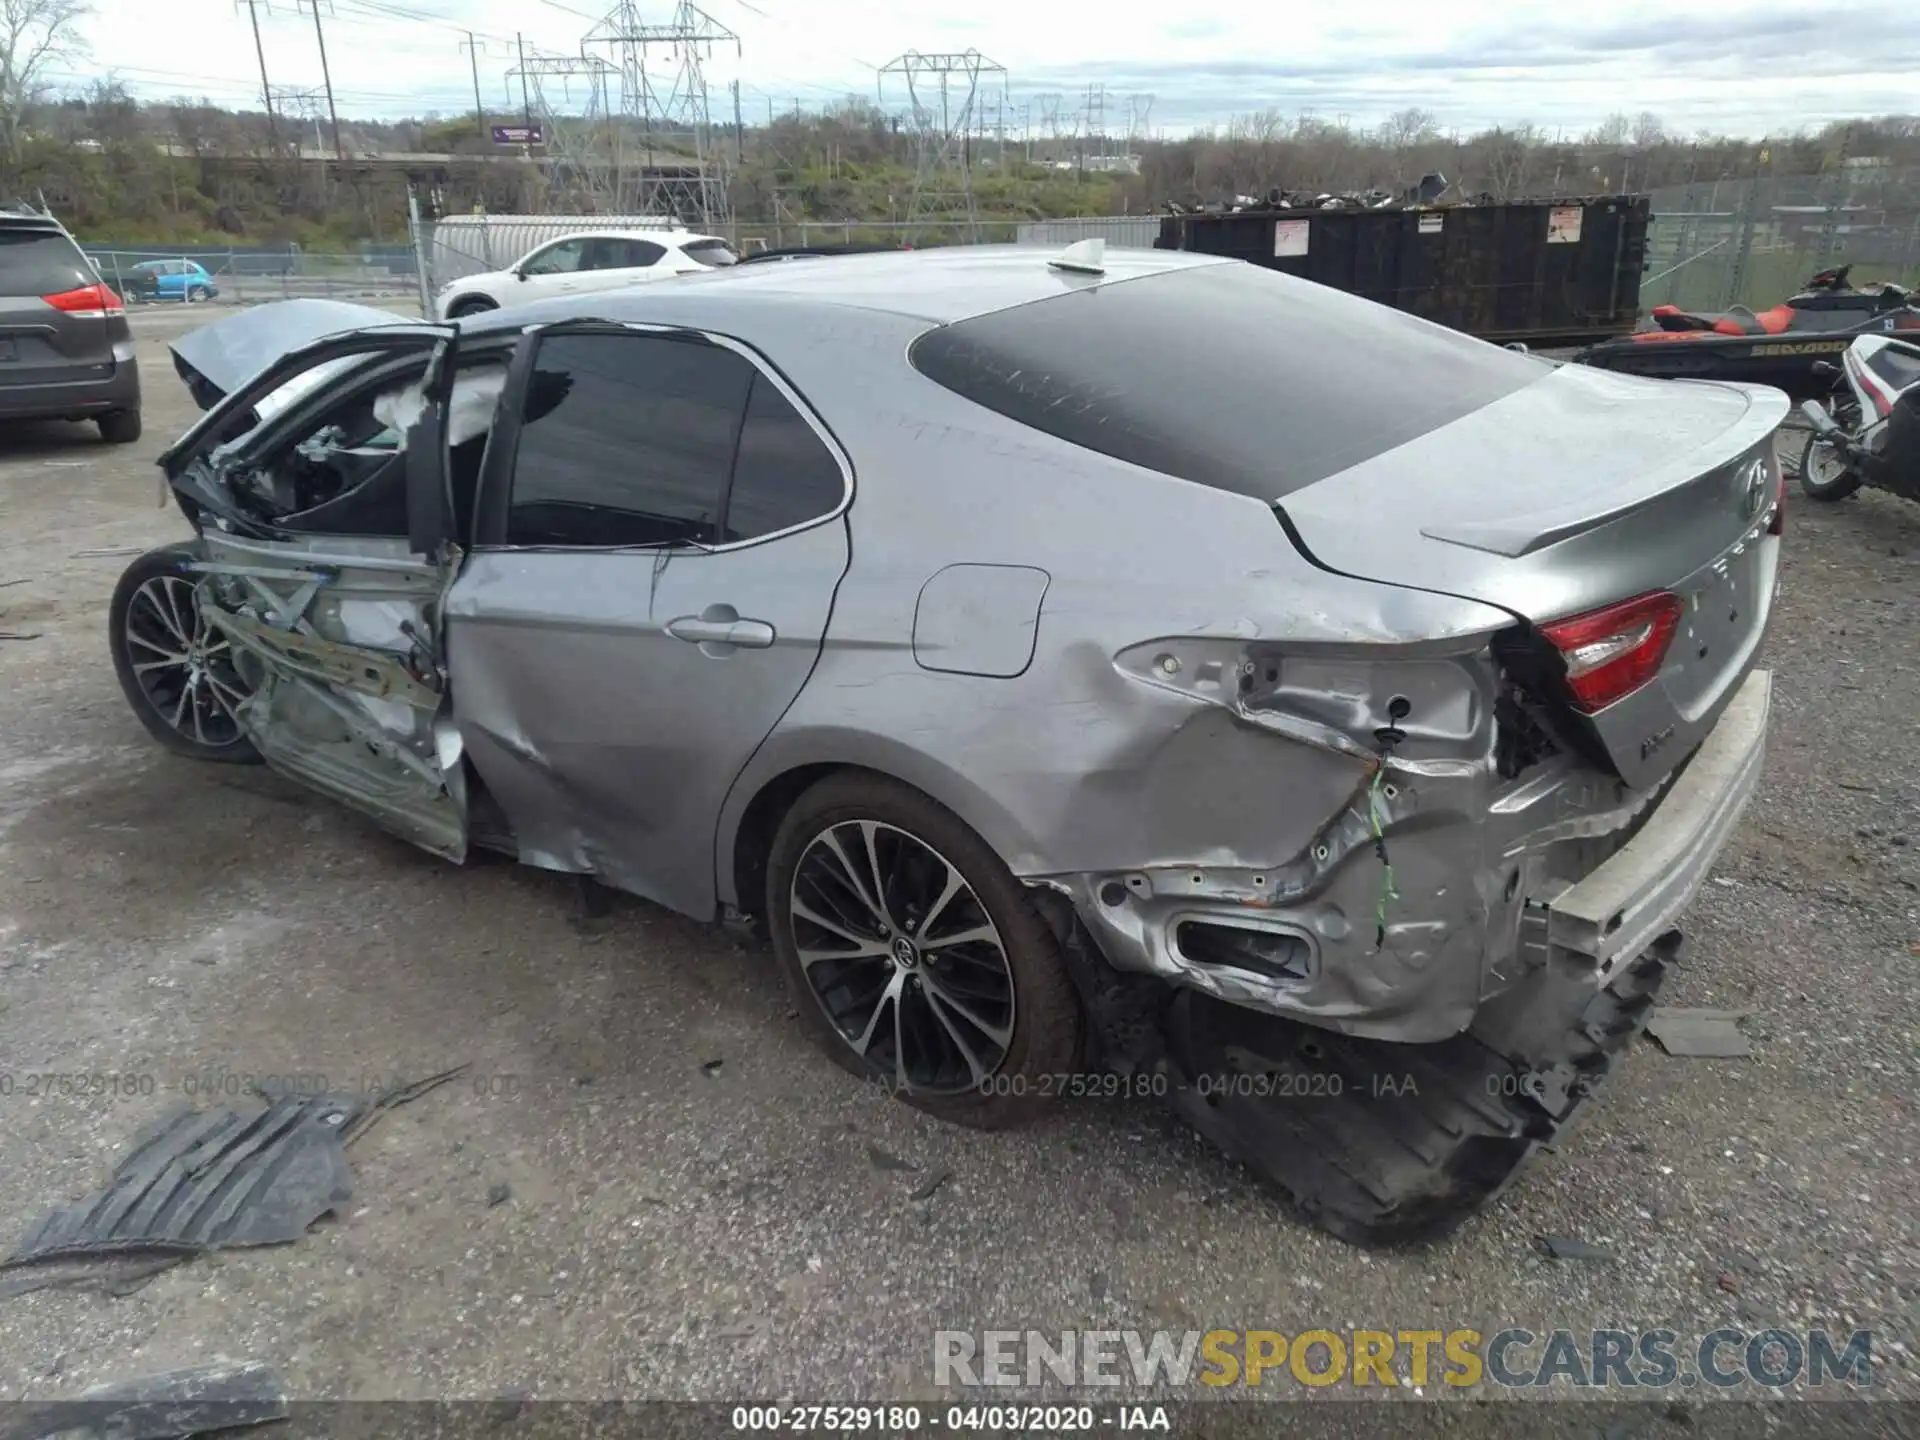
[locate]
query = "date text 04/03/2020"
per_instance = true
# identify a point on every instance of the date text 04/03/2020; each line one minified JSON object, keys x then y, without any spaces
{"x":958,"y":1419}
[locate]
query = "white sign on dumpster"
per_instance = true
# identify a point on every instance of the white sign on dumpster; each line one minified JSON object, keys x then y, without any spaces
{"x":1563,"y":225}
{"x":1290,"y":237}
{"x":1432,"y":224}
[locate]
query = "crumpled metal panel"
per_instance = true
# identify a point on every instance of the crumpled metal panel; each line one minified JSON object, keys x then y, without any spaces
{"x":160,"y":1407}
{"x":211,"y":1180}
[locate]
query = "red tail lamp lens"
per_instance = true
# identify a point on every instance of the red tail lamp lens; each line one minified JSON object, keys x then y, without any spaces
{"x":1612,"y":652}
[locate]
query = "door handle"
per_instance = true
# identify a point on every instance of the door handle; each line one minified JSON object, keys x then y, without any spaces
{"x":721,"y":627}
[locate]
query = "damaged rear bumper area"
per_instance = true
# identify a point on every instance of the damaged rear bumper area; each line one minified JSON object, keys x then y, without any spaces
{"x":1384,"y":1141}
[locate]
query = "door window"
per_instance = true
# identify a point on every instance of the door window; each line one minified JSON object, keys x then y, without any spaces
{"x":561,"y":259}
{"x":625,"y":440}
{"x":643,"y":440}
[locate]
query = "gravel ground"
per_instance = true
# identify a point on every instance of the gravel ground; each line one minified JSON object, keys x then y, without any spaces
{"x":599,"y":1209}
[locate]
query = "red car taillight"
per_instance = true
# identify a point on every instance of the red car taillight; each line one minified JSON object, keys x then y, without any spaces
{"x":1613,"y":652}
{"x":88,"y":302}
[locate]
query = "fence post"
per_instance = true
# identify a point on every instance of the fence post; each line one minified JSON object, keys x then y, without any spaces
{"x":420,"y":255}
{"x":1743,"y":245}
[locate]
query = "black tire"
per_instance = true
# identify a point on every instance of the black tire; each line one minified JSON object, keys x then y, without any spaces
{"x":1835,"y":489}
{"x":470,"y":305}
{"x":1045,"y":1038}
{"x":197,"y":725}
{"x":122,"y":427}
{"x":197,"y":293}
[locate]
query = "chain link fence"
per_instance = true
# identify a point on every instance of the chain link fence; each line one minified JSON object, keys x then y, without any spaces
{"x":1714,"y":245}
{"x":201,"y":274}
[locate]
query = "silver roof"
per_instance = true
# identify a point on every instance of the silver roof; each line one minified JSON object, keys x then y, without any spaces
{"x":937,"y":286}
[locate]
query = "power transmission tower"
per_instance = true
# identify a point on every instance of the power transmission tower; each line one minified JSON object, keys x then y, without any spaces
{"x":1139,"y":108}
{"x":1049,"y":115}
{"x":1094,"y":122}
{"x":943,"y":96}
{"x":301,"y":106}
{"x":580,"y":165}
{"x":679,"y":170}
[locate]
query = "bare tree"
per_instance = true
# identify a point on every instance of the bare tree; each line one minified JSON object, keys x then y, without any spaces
{"x":1611,"y":133}
{"x":34,"y":36}
{"x":1406,"y":128}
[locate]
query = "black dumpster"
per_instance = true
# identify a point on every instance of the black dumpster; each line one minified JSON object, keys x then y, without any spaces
{"x":1550,"y":273}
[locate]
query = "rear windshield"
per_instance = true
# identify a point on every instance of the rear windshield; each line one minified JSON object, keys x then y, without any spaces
{"x":716,"y":253}
{"x":1228,"y":375}
{"x":40,"y":262}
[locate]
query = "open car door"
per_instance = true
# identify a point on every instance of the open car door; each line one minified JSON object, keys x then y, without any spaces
{"x":328,"y":541}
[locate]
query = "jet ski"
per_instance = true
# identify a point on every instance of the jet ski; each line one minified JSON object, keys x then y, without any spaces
{"x":1778,"y":347}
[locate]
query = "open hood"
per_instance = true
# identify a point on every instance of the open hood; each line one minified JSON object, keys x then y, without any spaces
{"x":220,"y":358}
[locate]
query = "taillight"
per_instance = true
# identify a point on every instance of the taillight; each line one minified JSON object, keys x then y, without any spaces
{"x":88,"y":302}
{"x":1613,"y":652}
{"x":1778,"y":524}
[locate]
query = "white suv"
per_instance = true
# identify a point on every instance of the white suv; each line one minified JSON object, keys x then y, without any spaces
{"x":599,"y":260}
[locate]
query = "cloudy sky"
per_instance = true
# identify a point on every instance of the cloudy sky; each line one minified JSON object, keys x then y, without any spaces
{"x":1755,"y":67}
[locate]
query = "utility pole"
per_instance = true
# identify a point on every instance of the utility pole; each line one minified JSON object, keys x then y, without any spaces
{"x":473,"y":48}
{"x":739,"y":128}
{"x":326,"y":79}
{"x":526,"y":105}
{"x":266,"y":90}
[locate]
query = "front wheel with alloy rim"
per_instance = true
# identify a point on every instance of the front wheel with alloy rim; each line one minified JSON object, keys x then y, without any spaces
{"x":1826,"y":474}
{"x":915,"y":957}
{"x":178,"y":673}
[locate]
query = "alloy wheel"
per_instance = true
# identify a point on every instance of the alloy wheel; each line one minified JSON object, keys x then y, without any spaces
{"x":902,"y":956}
{"x":1825,"y":465}
{"x":183,"y":668}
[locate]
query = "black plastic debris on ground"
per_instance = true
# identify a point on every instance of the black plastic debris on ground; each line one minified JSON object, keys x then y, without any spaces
{"x":1702,"y":1034}
{"x":204,"y":1180}
{"x":1562,"y":1248}
{"x":159,"y":1407}
{"x":200,"y":1180}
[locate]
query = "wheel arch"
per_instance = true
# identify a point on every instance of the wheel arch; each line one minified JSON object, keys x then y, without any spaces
{"x":770,"y":785}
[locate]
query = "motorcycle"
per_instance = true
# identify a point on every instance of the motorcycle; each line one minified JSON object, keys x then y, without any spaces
{"x":1868,"y":431}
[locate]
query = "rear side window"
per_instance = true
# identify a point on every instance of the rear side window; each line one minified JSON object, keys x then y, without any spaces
{"x":784,"y":474}
{"x":1228,"y":375}
{"x":41,"y":262}
{"x":715,"y":253}
{"x":616,"y":253}
{"x":643,"y":440}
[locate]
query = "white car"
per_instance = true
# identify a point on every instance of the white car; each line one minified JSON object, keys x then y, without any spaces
{"x":575,"y":264}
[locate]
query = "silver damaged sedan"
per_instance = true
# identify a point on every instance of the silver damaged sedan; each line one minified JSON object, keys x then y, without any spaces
{"x":1150,"y":674}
